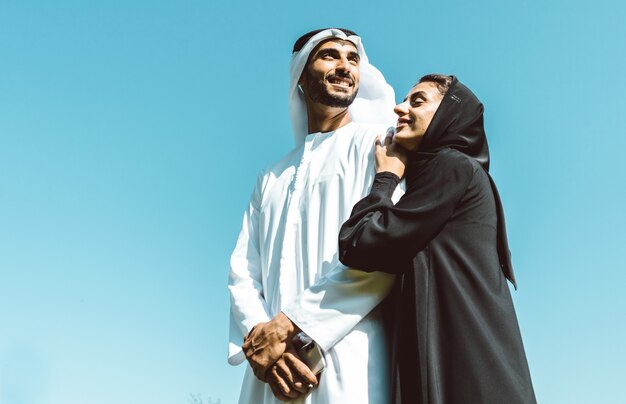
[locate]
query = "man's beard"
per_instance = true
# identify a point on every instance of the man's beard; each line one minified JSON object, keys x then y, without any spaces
{"x":318,"y":93}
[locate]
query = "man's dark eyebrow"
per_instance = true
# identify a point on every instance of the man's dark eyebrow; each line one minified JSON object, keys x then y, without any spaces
{"x":355,"y":55}
{"x":328,"y":51}
{"x":335,"y":53}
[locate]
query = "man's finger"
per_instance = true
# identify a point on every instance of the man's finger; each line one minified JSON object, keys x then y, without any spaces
{"x":258,"y":371}
{"x":300,"y":368}
{"x":283,"y":370}
{"x":276,"y":391}
{"x":282,"y":384}
{"x":292,"y":377}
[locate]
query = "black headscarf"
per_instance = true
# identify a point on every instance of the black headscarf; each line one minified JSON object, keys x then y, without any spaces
{"x":458,"y":124}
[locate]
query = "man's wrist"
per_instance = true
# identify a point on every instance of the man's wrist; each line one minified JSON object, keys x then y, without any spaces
{"x":287,"y":328}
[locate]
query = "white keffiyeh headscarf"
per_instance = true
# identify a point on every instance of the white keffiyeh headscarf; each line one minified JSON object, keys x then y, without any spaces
{"x":373,"y":104}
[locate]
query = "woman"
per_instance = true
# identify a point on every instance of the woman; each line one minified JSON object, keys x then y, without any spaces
{"x":456,"y":336}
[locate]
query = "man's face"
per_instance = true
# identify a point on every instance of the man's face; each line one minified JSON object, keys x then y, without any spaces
{"x":331,"y":76}
{"x":415,"y":114}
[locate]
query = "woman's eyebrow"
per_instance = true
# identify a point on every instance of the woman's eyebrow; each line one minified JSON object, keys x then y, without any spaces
{"x":418,"y":94}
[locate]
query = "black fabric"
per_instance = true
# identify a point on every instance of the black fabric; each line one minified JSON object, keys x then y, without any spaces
{"x":458,"y":124}
{"x":457,"y":338}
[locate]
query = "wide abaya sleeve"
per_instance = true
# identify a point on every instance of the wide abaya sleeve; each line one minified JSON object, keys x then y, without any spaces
{"x":379,"y":232}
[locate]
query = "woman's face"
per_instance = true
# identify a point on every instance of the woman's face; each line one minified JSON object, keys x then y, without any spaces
{"x":415,"y":114}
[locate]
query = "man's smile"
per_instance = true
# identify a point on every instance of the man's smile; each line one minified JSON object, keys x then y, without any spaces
{"x":339,"y":81}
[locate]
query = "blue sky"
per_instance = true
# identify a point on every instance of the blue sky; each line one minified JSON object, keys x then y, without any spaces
{"x":131,"y":134}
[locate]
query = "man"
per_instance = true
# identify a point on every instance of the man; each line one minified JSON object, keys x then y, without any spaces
{"x":285,"y":275}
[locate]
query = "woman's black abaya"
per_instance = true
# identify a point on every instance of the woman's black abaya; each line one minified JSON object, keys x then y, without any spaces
{"x":456,"y":337}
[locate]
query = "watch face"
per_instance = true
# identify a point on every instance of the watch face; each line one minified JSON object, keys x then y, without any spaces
{"x":309,"y":352}
{"x":312,"y":356}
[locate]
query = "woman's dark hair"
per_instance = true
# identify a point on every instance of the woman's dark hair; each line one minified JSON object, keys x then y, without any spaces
{"x":442,"y":81}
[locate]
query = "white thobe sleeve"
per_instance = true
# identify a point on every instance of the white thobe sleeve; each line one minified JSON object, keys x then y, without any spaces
{"x":328,"y":310}
{"x":247,"y":303}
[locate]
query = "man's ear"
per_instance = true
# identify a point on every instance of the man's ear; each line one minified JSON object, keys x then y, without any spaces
{"x":301,"y":81}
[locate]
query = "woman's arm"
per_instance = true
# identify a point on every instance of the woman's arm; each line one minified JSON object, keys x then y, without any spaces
{"x":379,"y":233}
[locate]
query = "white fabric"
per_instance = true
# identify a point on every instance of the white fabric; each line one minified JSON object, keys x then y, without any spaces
{"x":373,"y":104}
{"x":286,"y":259}
{"x":286,"y":254}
